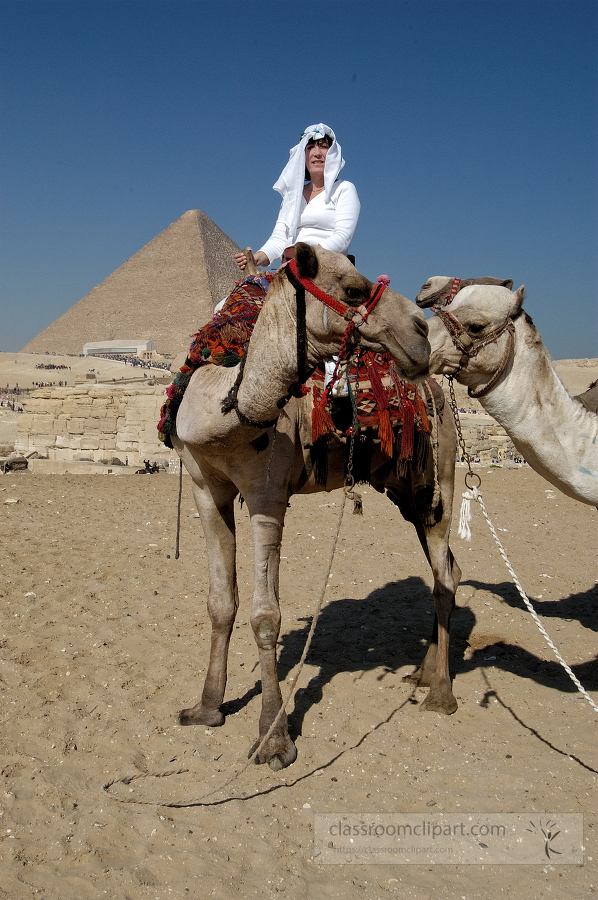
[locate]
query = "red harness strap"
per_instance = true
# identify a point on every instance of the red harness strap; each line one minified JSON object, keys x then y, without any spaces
{"x":454,"y":291}
{"x":355,"y":315}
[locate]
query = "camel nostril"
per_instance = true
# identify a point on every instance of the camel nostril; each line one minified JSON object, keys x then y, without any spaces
{"x":420,"y":354}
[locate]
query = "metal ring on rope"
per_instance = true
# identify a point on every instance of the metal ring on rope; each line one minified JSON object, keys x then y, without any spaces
{"x":471,"y":474}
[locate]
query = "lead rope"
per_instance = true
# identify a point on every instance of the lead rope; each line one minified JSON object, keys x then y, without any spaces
{"x":178,"y":513}
{"x":201,"y":800}
{"x":465,"y":532}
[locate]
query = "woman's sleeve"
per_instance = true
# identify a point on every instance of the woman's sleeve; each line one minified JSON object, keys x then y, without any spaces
{"x":347,"y":208}
{"x":278,"y":240}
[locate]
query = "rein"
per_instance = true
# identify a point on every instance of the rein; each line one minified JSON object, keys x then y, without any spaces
{"x":355,"y":317}
{"x":469,"y":346}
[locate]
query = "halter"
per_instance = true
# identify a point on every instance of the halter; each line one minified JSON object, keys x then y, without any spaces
{"x":469,"y":346}
{"x":355,"y":316}
{"x":454,"y":290}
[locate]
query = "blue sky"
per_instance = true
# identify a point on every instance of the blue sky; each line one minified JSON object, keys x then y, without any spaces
{"x":469,"y":128}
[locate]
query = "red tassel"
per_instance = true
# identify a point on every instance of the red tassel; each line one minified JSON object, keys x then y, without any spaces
{"x":408,"y":431}
{"x":376,"y":382}
{"x":321,"y":423}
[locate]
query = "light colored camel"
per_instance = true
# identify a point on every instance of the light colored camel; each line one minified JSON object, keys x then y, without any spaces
{"x":554,"y":432}
{"x":222,"y":457}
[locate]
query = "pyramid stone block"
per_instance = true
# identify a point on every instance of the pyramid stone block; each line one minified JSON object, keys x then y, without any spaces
{"x":164,"y":293}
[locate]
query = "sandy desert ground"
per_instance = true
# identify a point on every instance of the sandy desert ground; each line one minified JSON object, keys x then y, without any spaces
{"x":104,"y":637}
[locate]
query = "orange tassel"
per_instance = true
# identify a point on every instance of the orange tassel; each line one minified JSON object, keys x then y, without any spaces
{"x":385,"y":432}
{"x":321,"y":423}
{"x":424,"y":415}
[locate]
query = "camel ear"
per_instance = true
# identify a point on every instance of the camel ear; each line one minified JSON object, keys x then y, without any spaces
{"x":508,"y":283}
{"x":306,"y":260}
{"x":519,"y":295}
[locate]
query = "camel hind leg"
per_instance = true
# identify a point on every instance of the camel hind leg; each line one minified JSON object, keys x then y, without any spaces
{"x":434,"y":670}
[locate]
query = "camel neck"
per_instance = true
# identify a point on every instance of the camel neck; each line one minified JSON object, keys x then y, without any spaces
{"x":271,"y":365}
{"x":555,"y":434}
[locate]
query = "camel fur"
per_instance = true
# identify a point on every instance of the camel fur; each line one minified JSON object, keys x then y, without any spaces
{"x":555,"y":433}
{"x":222,"y":456}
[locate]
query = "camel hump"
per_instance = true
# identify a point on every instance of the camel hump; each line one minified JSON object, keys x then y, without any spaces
{"x":250,"y":268}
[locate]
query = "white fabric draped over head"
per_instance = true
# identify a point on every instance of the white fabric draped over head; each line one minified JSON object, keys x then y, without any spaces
{"x":292,"y":178}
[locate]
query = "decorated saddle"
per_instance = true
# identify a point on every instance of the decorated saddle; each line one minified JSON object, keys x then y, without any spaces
{"x":222,"y":342}
{"x":388,"y":408}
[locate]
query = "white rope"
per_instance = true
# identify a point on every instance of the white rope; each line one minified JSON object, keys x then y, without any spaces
{"x":474,"y":494}
{"x":464,"y":531}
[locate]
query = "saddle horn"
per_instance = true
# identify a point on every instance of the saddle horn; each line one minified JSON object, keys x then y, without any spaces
{"x":250,"y":268}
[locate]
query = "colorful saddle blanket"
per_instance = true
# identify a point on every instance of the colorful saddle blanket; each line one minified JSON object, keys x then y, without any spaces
{"x":380,"y":400}
{"x":222,"y":342}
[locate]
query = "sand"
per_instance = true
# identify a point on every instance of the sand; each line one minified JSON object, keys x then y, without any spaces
{"x":104,"y":637}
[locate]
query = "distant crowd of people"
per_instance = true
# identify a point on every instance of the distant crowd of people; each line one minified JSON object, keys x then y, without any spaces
{"x":50,"y":366}
{"x":132,"y":360}
{"x":496,"y":460}
{"x":11,"y":396}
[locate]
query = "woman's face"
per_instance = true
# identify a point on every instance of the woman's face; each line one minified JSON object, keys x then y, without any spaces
{"x":315,"y":156}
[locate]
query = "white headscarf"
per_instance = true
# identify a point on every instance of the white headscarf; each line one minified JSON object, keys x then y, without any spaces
{"x":292,"y":178}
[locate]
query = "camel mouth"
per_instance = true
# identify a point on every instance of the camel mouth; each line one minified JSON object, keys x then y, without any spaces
{"x":419,"y":371}
{"x":413,"y":364}
{"x":440,"y":365}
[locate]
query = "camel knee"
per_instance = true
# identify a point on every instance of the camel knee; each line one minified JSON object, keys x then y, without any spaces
{"x":222,"y":617}
{"x":265,"y":630}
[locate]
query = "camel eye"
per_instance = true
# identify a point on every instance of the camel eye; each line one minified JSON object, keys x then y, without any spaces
{"x":353,"y":293}
{"x":475,"y":329}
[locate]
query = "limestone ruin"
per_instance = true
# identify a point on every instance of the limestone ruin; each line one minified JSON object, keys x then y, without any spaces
{"x":95,"y":422}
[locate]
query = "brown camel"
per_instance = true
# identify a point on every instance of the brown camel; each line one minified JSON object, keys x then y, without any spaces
{"x":220,"y":452}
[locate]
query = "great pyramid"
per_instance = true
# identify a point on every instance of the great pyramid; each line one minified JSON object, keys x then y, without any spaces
{"x":164,"y":293}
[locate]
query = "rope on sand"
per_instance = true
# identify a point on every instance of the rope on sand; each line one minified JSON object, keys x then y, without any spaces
{"x":465,"y":532}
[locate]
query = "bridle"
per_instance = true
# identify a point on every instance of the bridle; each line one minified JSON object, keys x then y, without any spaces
{"x":354,"y":316}
{"x":469,"y":346}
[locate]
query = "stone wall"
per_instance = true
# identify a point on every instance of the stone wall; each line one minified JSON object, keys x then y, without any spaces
{"x":485,"y":438}
{"x":98,"y":422}
{"x":94,"y":422}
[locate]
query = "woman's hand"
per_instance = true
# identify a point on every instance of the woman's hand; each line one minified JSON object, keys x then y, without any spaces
{"x":259,"y":258}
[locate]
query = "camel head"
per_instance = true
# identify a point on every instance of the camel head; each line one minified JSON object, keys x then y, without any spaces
{"x":481,"y":310}
{"x":439,"y":290}
{"x":394,"y":326}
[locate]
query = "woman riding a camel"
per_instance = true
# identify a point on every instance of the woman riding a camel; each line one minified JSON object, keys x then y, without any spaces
{"x":322,"y":211}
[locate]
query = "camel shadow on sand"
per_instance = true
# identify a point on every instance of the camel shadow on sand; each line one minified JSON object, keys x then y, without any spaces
{"x":389,"y":629}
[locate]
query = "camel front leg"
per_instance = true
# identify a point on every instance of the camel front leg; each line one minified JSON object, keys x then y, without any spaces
{"x":279,"y":751}
{"x":214,"y":503}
